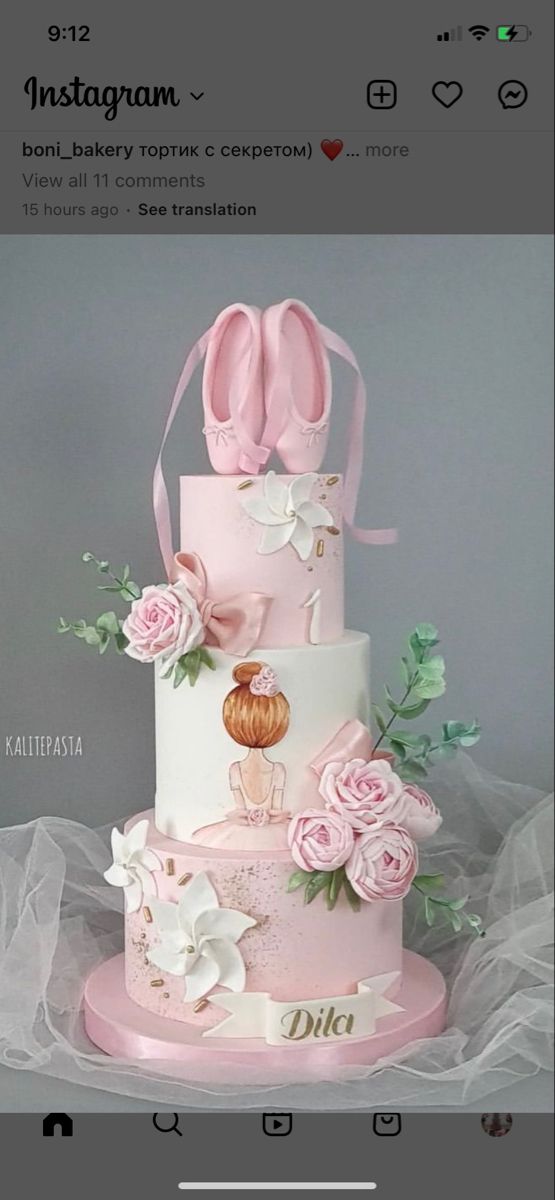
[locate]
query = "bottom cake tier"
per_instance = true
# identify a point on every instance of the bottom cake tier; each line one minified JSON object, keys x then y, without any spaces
{"x":294,"y":956}
{"x":222,"y":960}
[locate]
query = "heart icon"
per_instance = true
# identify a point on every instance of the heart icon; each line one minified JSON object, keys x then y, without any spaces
{"x":447,"y":93}
{"x":331,"y":149}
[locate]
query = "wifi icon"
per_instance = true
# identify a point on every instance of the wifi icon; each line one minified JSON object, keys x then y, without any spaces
{"x":478,"y":31}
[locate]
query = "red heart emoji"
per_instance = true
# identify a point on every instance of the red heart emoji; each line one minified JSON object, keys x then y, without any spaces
{"x":331,"y":149}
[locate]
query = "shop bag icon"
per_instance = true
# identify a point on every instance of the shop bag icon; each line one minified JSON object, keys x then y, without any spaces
{"x":387,"y":1124}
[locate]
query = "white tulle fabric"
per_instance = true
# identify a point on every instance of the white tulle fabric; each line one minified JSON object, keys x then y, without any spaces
{"x":58,"y":918}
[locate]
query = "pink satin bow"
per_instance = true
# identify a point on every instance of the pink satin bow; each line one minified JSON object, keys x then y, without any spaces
{"x":353,"y":740}
{"x":234,"y":625}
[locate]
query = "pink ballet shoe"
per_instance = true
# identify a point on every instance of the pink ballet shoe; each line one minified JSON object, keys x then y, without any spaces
{"x":297,"y":386}
{"x":232,"y":392}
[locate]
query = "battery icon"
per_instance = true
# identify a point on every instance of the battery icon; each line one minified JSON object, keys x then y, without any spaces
{"x":513,"y":33}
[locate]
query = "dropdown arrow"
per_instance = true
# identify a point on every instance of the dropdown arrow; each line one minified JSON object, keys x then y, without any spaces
{"x":196,"y":95}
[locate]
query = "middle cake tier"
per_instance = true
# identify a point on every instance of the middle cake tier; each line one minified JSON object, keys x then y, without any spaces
{"x":238,"y":754}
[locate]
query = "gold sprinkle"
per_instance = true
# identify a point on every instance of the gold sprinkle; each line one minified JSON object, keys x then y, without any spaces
{"x":245,"y":484}
{"x":332,"y":479}
{"x":320,"y":548}
{"x":170,"y":865}
{"x":184,"y":879}
{"x":310,"y":568}
{"x":166,"y":995}
{"x":147,"y":915}
{"x":323,"y":496}
{"x":190,"y":949}
{"x":200,"y":1004}
{"x":157,"y":983}
{"x":143,"y":935}
{"x":333,"y":529}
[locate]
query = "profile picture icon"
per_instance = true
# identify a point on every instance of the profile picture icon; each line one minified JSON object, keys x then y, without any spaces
{"x":497,"y":1124}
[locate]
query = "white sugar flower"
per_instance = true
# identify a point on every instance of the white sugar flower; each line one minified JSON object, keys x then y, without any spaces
{"x":132,"y":866}
{"x":198,"y":940}
{"x":288,"y":514}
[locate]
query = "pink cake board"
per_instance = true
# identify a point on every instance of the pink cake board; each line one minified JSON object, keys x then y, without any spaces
{"x":124,"y":1030}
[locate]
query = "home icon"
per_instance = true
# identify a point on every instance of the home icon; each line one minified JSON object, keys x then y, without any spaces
{"x":57,"y":1121}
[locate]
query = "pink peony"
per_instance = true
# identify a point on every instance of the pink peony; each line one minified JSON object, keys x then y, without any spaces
{"x":421,"y":817}
{"x":383,"y":863}
{"x":163,"y":624}
{"x":363,"y":792}
{"x":319,"y":841}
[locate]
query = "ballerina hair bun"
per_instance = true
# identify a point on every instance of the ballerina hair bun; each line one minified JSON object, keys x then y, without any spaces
{"x":245,"y":671}
{"x":256,"y":713}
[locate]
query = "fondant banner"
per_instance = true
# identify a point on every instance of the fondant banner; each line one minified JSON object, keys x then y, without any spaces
{"x":283,"y":1023}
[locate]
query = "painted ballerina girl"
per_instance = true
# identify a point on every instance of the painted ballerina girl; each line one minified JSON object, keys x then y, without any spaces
{"x":256,"y":715}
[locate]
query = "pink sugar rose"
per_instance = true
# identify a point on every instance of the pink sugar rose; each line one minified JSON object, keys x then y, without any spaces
{"x":319,"y":841}
{"x":383,"y":863}
{"x":258,"y":816}
{"x":421,"y":817}
{"x":363,"y":792}
{"x":163,"y":624}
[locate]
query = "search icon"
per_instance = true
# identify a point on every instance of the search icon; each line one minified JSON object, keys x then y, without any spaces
{"x":172,"y":1128}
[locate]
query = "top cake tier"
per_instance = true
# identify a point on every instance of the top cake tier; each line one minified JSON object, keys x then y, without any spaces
{"x":281,"y":535}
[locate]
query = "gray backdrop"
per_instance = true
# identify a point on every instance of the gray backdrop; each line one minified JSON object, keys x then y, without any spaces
{"x":454,"y":338}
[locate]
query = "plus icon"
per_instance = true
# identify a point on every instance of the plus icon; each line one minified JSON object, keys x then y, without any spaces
{"x":381,"y":93}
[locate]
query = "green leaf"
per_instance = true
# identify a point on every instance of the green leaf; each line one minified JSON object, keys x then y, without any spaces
{"x":128,"y":592}
{"x":411,"y":771}
{"x":429,"y":910}
{"x":426,"y":634}
{"x":466,"y":735}
{"x":418,"y":741}
{"x":104,"y":643}
{"x":206,"y":658}
{"x":428,"y":689}
{"x":120,"y":642}
{"x":351,"y":895}
{"x":397,"y":747}
{"x":297,"y":879}
{"x":379,"y":718}
{"x":125,"y":573}
{"x":456,"y":905}
{"x":335,"y":884}
{"x":63,"y":626}
{"x":180,"y":671}
{"x":407,"y":671}
{"x":455,"y":920}
{"x":193,"y":666}
{"x":167,"y":673}
{"x":433,"y":668}
{"x":91,"y":637}
{"x":108,"y":587}
{"x":108,"y":622}
{"x":408,"y":712}
{"x":315,"y":885}
{"x":418,"y":651}
{"x":433,"y":882}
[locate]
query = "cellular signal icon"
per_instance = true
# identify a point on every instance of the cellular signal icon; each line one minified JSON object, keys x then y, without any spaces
{"x":451,"y":35}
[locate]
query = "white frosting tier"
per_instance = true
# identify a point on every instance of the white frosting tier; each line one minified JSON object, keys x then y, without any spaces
{"x":202,"y":773}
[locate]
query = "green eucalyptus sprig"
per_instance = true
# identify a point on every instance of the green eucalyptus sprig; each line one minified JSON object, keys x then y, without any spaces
{"x":314,"y":882}
{"x":127,"y":589}
{"x":449,"y":910}
{"x":423,"y":674}
{"x":107,"y":628}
